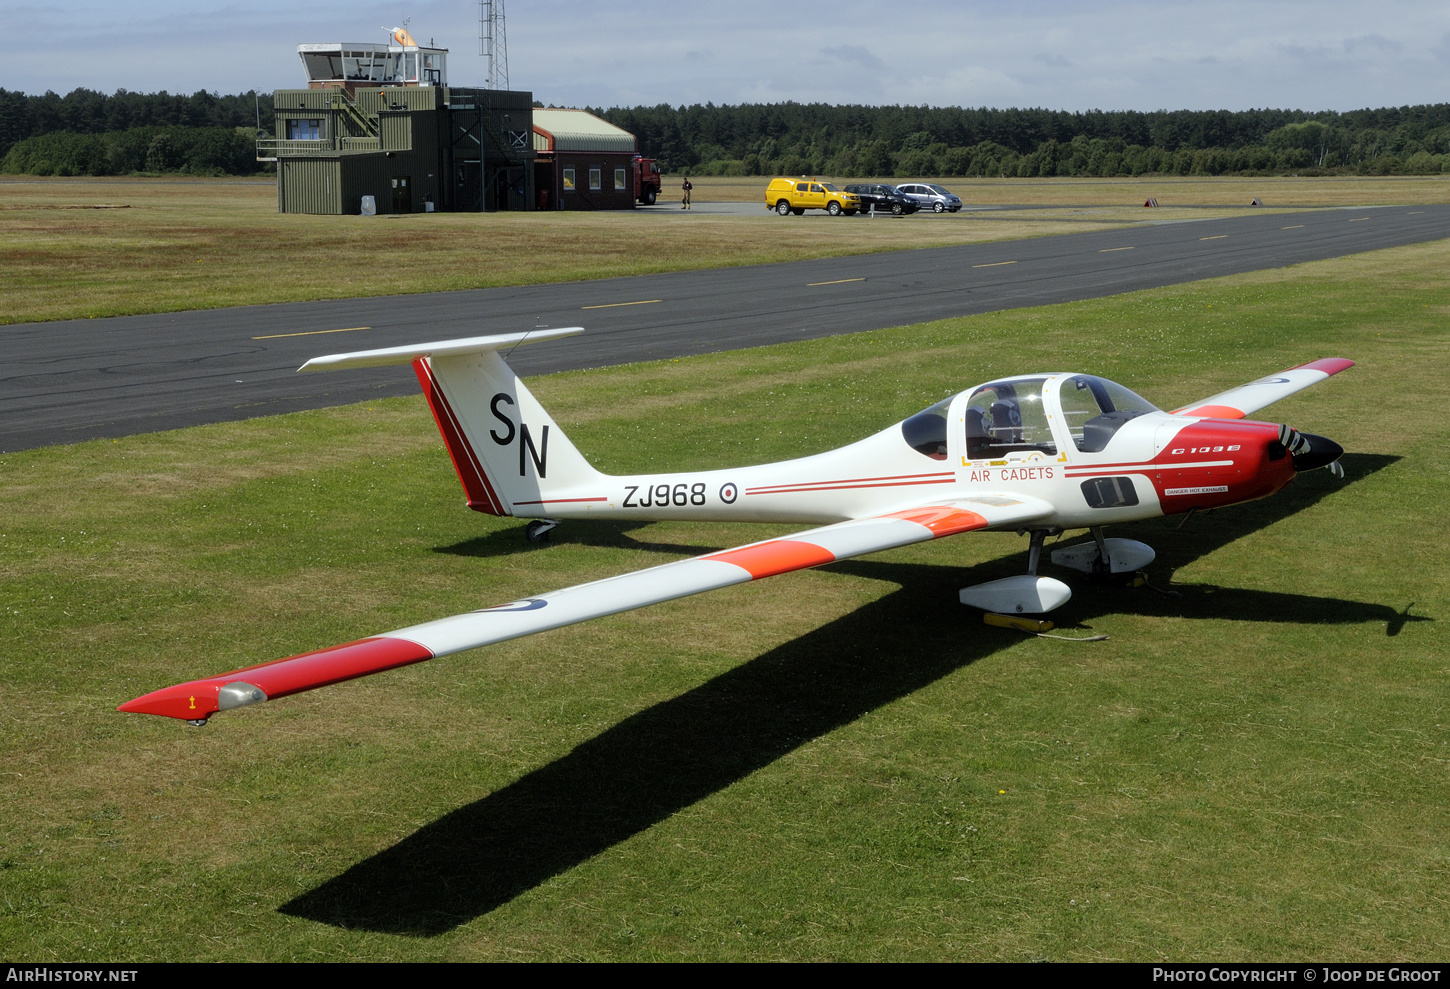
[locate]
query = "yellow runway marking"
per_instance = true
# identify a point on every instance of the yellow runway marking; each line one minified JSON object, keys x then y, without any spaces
{"x":1109,"y":250}
{"x":1297,"y":226}
{"x":1214,"y":237}
{"x":311,"y":333}
{"x":615,"y":305}
{"x":1357,"y":219}
{"x":838,"y":281}
{"x":994,"y":264}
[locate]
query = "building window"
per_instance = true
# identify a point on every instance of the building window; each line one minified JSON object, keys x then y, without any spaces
{"x":596,"y":179}
{"x":568,"y":180}
{"x":304,"y":130}
{"x":619,"y":185}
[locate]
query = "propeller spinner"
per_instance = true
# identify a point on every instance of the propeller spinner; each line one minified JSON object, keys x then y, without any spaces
{"x":1310,"y":452}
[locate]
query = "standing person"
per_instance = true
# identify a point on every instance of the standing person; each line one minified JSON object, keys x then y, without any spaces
{"x":686,"y":187}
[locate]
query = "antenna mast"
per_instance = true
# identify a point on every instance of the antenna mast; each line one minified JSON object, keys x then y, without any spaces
{"x":493,"y":43}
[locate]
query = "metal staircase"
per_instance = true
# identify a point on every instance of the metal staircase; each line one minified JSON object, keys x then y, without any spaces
{"x":346,"y":107}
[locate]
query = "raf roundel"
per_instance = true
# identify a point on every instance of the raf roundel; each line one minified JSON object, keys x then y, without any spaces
{"x":728,"y":493}
{"x":527,"y":604}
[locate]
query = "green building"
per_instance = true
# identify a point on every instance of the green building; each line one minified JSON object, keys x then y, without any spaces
{"x":380,"y":121}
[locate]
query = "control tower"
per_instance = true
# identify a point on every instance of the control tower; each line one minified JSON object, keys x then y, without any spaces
{"x":355,"y":65}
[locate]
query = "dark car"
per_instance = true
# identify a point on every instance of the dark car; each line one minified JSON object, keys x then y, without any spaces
{"x":885,"y":198}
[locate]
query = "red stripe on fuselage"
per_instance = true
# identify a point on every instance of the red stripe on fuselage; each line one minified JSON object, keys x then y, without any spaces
{"x":862,"y":481}
{"x":804,"y":489}
{"x":557,"y":501}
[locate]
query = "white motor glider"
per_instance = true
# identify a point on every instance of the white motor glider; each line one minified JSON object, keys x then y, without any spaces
{"x":1039,"y":453}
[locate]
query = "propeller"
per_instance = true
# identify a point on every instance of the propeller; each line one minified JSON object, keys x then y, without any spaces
{"x":1310,"y":452}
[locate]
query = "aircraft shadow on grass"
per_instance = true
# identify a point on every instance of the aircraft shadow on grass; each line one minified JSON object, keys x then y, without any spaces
{"x":507,"y":542}
{"x":668,"y":757}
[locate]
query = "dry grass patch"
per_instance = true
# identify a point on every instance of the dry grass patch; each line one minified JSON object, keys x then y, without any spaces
{"x":200,"y":245}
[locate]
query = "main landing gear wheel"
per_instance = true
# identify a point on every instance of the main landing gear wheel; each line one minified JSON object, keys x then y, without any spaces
{"x":783,"y":208}
{"x":538,"y":530}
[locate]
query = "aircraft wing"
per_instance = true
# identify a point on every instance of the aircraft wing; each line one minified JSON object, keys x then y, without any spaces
{"x":197,"y":700}
{"x":1238,"y":403}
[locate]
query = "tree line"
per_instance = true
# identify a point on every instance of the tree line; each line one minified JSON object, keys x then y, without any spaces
{"x":821,"y":139}
{"x":184,"y":150}
{"x":90,"y":133}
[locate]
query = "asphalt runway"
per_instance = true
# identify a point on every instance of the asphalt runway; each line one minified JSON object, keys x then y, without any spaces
{"x":64,"y":382}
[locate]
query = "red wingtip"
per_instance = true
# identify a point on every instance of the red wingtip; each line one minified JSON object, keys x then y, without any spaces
{"x":195,"y":701}
{"x":1329,"y":365}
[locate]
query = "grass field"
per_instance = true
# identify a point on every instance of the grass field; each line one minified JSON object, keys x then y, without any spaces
{"x":198,"y":245}
{"x":835,"y":764}
{"x":193,"y":244}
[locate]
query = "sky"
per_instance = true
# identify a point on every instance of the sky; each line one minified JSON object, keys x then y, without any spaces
{"x":1058,"y":54}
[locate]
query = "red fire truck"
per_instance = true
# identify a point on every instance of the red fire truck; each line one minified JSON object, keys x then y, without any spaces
{"x":646,"y":180}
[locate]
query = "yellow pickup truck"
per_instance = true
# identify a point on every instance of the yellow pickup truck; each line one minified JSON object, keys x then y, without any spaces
{"x":798,"y":195}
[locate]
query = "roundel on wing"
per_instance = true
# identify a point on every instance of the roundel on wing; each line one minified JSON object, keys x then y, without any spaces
{"x":527,"y":604}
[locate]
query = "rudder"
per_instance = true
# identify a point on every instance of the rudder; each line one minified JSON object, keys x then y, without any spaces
{"x":511,"y":457}
{"x":510,"y":454}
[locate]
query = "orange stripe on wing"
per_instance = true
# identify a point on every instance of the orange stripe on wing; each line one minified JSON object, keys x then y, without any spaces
{"x":942,"y":521}
{"x":774,"y":557}
{"x":1213,"y":412}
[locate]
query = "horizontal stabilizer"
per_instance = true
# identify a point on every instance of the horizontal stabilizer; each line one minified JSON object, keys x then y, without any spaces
{"x":442,"y":348}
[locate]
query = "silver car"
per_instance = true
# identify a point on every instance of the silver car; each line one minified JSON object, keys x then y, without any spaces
{"x":932,"y":197}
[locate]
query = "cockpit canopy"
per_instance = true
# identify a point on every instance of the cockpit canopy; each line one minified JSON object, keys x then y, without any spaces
{"x":926,"y":432}
{"x":1004,"y":416}
{"x":1016,"y":415}
{"x":1096,"y":408}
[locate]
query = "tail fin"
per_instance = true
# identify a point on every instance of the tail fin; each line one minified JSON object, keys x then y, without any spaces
{"x":507,"y":450}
